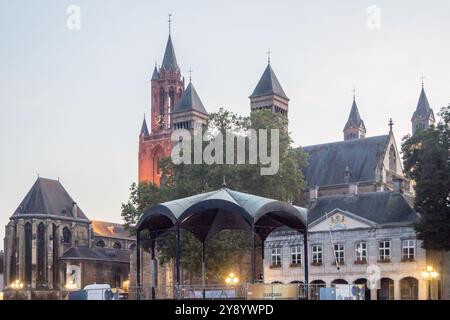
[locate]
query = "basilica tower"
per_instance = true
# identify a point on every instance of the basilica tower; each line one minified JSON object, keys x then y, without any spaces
{"x":423,"y":117}
{"x":354,"y":128}
{"x":167,"y":87}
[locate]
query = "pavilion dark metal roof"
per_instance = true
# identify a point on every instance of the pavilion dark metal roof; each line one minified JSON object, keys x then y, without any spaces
{"x":208,"y":213}
{"x":327,"y":162}
{"x":169,"y":60}
{"x":190,"y":101}
{"x":380,"y":207}
{"x":97,"y":254}
{"x":48,"y":197}
{"x":354,"y":118}
{"x":423,"y":109}
{"x":268,"y":85}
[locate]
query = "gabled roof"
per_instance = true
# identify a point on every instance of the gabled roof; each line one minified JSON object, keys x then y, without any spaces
{"x":423,"y":109}
{"x":48,"y":197}
{"x":144,"y":129}
{"x":380,"y":207}
{"x":155,"y":75}
{"x":354,"y":119}
{"x":110,"y":230}
{"x":190,"y":101}
{"x":268,"y":85}
{"x":327,"y":162}
{"x":97,"y":254}
{"x":169,"y":60}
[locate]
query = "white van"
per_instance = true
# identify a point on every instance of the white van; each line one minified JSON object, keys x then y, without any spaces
{"x":98,"y":292}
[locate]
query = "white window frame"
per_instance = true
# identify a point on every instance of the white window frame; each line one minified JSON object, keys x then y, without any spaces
{"x":296,"y":255}
{"x":275,"y":256}
{"x":409,"y":244}
{"x":384,"y":252}
{"x":339,"y":253}
{"x":317,"y":253}
{"x":361,"y":251}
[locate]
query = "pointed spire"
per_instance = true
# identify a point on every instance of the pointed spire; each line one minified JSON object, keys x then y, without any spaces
{"x":190,"y":101}
{"x":144,"y":129}
{"x":169,"y":60}
{"x":423,"y":106}
{"x":268,"y":85}
{"x":155,"y":75}
{"x":354,"y":118}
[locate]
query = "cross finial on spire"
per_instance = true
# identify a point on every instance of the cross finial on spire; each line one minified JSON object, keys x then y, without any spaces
{"x":390,"y":124}
{"x":354,"y":93}
{"x":422,"y":78}
{"x":170,"y":22}
{"x":190,"y":74}
{"x":268,"y":55}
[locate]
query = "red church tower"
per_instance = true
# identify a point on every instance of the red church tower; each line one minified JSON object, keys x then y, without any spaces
{"x":167,"y":87}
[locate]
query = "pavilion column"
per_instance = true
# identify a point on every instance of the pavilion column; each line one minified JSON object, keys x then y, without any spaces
{"x":138,"y":265}
{"x":253,"y":254}
{"x":203,"y":270}
{"x":177,"y":258}
{"x":306,"y":262}
{"x":154,"y":273}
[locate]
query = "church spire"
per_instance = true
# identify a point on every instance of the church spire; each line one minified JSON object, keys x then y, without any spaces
{"x":144,"y":129}
{"x":354,"y":128}
{"x":423,"y":117}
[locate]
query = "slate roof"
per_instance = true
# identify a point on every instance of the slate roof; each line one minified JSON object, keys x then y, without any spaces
{"x":97,"y":254}
{"x":110,"y":229}
{"x":169,"y":60}
{"x":190,"y":101}
{"x":423,"y":109}
{"x":268,"y":84}
{"x":144,"y":129}
{"x":48,"y":197}
{"x":380,"y":207}
{"x":354,"y":118}
{"x":155,"y":75}
{"x":328,"y":162}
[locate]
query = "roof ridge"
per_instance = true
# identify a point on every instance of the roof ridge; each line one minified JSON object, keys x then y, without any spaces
{"x":345,"y":141}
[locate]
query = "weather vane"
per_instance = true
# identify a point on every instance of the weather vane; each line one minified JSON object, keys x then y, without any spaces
{"x":268,"y":55}
{"x":170,"y":21}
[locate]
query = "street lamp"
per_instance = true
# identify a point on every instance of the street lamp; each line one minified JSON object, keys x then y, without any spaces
{"x":17,"y":285}
{"x":232,"y":279}
{"x":71,"y":285}
{"x":429,"y":275}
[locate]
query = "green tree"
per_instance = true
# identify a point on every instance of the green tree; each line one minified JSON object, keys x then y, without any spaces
{"x":426,"y":159}
{"x":230,"y":246}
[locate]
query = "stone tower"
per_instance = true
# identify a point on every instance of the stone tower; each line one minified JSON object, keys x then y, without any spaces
{"x":189,"y":113}
{"x":354,"y":128}
{"x":269,"y":94}
{"x":167,"y":87}
{"x":423,"y":117}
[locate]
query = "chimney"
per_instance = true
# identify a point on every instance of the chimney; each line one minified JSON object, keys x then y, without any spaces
{"x":398,"y":184}
{"x":353,"y":189}
{"x":75,"y":210}
{"x":313,"y":193}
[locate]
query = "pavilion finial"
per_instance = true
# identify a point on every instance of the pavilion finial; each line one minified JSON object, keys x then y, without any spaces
{"x":268,"y":55}
{"x":422,"y":78}
{"x":224,"y":183}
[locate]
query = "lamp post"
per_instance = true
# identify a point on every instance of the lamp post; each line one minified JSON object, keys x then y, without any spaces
{"x":429,"y":275}
{"x":16,"y":286}
{"x":232,"y":279}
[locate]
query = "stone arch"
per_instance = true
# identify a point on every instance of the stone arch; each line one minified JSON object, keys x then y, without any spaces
{"x":386,"y":289}
{"x":100,"y":243}
{"x":157,"y":154}
{"x":338,"y":281}
{"x":117,"y":245}
{"x":409,"y":288}
{"x":392,"y":159}
{"x":363,"y":281}
{"x":314,"y":289}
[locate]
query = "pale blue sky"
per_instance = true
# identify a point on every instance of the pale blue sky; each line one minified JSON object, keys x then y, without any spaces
{"x":72,"y":102}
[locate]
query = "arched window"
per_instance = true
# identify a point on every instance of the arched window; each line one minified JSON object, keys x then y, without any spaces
{"x":132,"y":246}
{"x":338,"y":281}
{"x":409,"y":288}
{"x":67,"y":235}
{"x":392,"y":159}
{"x":117,"y":245}
{"x":28,"y":251}
{"x":314,"y":289}
{"x":41,"y":254}
{"x":100,"y":243}
{"x":161,"y":101}
{"x":363,"y":282}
